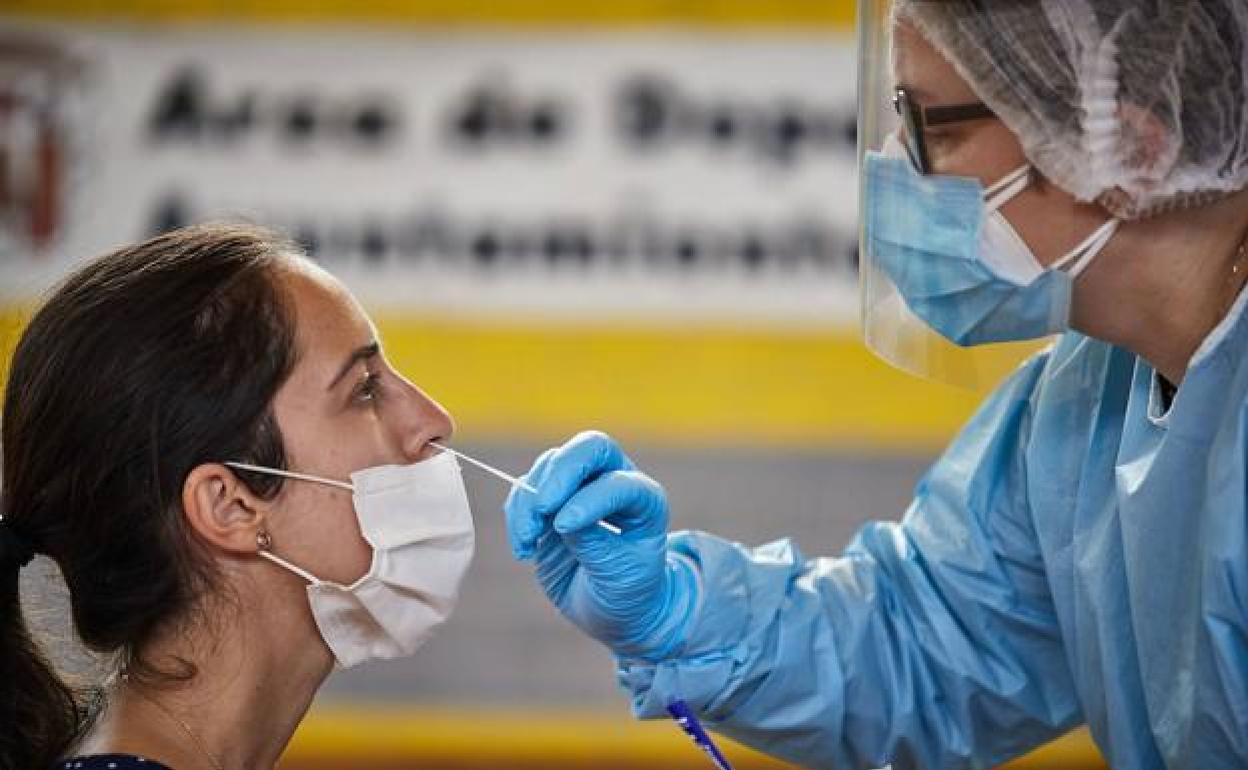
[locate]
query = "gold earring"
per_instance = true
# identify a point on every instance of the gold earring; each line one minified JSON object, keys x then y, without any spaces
{"x":263,"y":541}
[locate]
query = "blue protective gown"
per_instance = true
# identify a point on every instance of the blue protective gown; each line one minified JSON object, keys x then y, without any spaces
{"x":1077,"y":554}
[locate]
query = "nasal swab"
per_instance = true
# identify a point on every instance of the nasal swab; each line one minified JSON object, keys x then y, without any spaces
{"x":512,"y":480}
{"x":678,"y":710}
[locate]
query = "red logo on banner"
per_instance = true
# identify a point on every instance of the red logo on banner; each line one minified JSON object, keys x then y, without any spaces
{"x":36,"y":80}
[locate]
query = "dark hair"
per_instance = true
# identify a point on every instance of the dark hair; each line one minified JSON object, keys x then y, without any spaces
{"x":140,"y":366}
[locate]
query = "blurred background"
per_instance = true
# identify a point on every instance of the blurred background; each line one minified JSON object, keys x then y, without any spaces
{"x":632,"y":215}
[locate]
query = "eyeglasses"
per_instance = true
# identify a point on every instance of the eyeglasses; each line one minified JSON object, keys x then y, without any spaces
{"x":917,"y":118}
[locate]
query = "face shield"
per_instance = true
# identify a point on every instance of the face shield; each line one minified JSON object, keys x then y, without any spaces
{"x":921,"y":246}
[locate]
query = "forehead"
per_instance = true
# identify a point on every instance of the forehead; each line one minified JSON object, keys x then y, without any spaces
{"x":924,"y":71}
{"x":328,"y":320}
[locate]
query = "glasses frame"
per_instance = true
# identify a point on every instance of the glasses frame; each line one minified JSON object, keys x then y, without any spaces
{"x":917,"y":118}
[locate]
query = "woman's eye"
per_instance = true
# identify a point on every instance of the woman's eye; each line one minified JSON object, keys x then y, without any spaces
{"x":369,"y":388}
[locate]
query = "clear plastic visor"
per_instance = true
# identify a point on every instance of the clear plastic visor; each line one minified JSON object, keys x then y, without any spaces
{"x":890,"y":329}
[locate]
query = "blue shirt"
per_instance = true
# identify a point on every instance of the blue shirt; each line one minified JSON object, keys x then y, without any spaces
{"x":1076,"y":555}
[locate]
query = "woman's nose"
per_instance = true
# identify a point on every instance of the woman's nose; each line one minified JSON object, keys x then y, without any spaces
{"x":425,"y":420}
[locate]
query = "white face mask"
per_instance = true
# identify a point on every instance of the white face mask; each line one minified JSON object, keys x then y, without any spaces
{"x":417,"y":519}
{"x":1005,"y":252}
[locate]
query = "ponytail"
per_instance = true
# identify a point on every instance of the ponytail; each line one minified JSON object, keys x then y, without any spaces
{"x":38,"y":711}
{"x":141,"y":365}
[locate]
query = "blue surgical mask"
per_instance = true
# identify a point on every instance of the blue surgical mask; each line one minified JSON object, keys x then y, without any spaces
{"x":956,"y":260}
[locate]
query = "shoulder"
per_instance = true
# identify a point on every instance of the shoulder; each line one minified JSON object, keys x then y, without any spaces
{"x":109,"y":762}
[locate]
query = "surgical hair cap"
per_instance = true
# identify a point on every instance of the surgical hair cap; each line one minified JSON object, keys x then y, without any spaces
{"x":1137,"y":104}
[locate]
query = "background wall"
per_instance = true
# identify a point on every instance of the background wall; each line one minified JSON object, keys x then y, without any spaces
{"x":635,"y":216}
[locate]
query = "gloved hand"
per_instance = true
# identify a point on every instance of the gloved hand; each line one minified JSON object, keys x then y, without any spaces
{"x":627,"y":590}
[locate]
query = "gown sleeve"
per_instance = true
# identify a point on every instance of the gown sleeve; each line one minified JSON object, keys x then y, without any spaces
{"x":932,"y":642}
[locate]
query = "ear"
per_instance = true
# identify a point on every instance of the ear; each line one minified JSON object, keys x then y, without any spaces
{"x":1150,"y":146}
{"x":222,"y":510}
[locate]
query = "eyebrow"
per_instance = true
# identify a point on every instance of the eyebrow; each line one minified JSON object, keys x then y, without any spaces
{"x":359,"y":354}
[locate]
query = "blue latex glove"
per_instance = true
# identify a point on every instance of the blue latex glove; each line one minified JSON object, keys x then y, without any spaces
{"x":624,"y":590}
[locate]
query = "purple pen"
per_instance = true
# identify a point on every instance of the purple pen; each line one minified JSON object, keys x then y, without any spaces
{"x":693,"y":728}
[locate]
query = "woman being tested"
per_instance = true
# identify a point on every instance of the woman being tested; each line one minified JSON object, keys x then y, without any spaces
{"x":1079,"y":553}
{"x":153,"y":405}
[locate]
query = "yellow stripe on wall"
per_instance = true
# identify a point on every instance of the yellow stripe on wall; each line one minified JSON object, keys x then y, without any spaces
{"x":362,"y":737}
{"x":678,"y":387}
{"x":735,"y":13}
{"x":432,"y":737}
{"x":685,"y":386}
{"x":11,"y":321}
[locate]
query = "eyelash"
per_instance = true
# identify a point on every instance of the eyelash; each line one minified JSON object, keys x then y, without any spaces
{"x":369,"y":389}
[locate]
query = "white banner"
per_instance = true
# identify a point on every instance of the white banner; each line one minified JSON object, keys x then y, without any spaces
{"x":597,"y":175}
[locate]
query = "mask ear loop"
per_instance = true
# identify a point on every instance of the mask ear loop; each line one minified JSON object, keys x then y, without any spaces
{"x":265,"y":553}
{"x":1004,"y":189}
{"x":289,"y":475}
{"x":1080,"y":257}
{"x":264,"y":542}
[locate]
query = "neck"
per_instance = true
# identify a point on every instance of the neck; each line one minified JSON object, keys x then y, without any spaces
{"x":1164,"y":283}
{"x":253,"y":683}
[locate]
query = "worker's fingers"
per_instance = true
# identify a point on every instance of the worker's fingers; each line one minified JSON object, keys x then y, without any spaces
{"x":525,"y":523}
{"x":628,"y":499}
{"x":583,"y":458}
{"x":557,"y":475}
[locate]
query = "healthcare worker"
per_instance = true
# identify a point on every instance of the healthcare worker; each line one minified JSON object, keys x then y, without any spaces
{"x":1078,"y":553}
